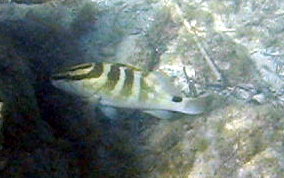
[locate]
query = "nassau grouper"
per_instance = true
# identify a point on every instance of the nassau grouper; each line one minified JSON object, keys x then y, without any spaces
{"x":115,"y":85}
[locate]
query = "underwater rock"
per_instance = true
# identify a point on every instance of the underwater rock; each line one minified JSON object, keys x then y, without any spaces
{"x":259,"y":98}
{"x":22,"y":116}
{"x":244,"y":92}
{"x":3,"y":159}
{"x":265,"y":163}
{"x":31,"y":122}
{"x":30,"y":1}
{"x":268,"y":69}
{"x":1,"y":124}
{"x":234,"y":139}
{"x":230,"y":142}
{"x":134,"y":50}
{"x":47,"y":162}
{"x":3,"y":163}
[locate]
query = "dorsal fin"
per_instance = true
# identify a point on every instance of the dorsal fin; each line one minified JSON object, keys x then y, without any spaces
{"x":126,"y":65}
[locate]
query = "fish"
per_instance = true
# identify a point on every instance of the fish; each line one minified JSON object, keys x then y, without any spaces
{"x":116,"y":85}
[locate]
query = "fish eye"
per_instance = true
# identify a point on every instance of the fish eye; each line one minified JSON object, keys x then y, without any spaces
{"x":177,"y":99}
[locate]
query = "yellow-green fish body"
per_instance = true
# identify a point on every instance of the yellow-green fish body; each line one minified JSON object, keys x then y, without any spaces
{"x":124,"y":86}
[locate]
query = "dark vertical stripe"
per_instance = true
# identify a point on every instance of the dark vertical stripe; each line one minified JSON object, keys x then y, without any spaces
{"x":112,"y":78}
{"x":128,"y":83}
{"x":97,"y":71}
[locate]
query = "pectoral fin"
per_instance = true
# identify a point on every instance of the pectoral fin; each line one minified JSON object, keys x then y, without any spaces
{"x":161,"y":114}
{"x":195,"y":106}
{"x":109,"y":112}
{"x":94,"y":99}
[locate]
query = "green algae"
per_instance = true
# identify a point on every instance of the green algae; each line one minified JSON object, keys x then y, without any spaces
{"x":202,"y":144}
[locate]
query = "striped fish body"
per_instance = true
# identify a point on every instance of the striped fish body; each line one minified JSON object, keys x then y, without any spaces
{"x":124,"y":86}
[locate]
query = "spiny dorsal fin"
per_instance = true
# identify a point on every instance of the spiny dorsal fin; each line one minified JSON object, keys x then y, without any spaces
{"x":126,"y":65}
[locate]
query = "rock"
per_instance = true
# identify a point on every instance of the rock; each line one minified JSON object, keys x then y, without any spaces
{"x":269,"y":70}
{"x":232,"y":139}
{"x":1,"y":125}
{"x":3,"y":163}
{"x":44,"y":161}
{"x":244,"y":92}
{"x":259,"y":98}
{"x":134,"y":50}
{"x":257,"y":166}
{"x":21,"y":114}
{"x":30,"y":1}
{"x":235,"y":140}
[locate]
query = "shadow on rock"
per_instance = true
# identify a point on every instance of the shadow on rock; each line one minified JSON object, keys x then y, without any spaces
{"x":48,"y":132}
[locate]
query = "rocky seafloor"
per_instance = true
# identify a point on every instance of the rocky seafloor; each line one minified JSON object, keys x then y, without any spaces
{"x":46,"y":132}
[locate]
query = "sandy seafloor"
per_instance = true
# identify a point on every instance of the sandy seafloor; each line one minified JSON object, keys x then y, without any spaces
{"x":46,"y":132}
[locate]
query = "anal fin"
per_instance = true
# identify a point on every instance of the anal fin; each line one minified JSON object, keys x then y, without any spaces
{"x":161,"y":114}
